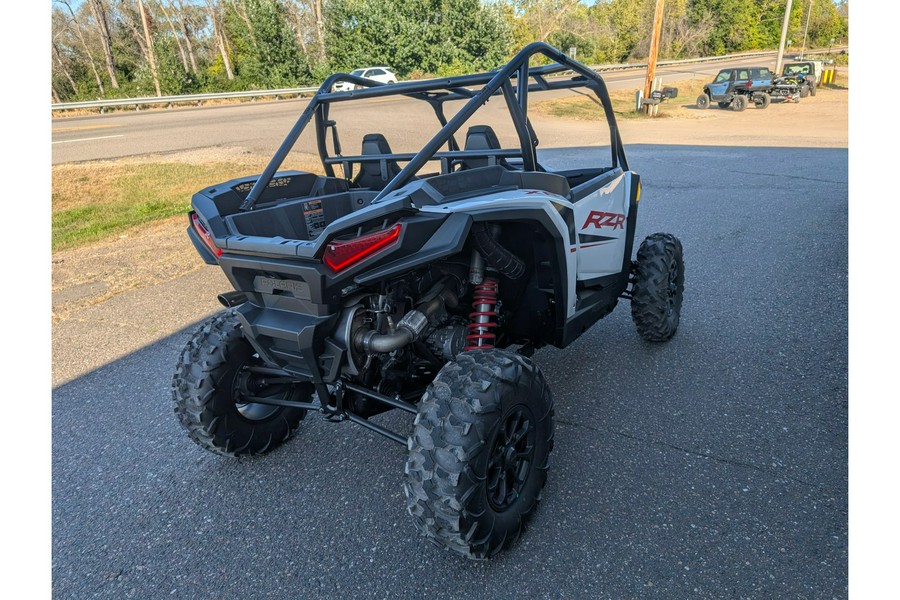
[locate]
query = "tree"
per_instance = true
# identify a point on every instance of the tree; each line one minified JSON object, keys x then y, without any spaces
{"x":87,"y":50}
{"x":215,"y":16}
{"x":266,"y":52}
{"x":171,"y":23}
{"x":431,"y":36}
{"x":98,"y":9}
{"x":130,"y":14}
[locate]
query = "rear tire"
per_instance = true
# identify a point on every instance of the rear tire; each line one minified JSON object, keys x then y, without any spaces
{"x":658,"y":287}
{"x":479,"y":451}
{"x":762,"y":100}
{"x":739,"y":103}
{"x":812,"y":89}
{"x":804,"y":91}
{"x":702,"y":101}
{"x":210,"y":382}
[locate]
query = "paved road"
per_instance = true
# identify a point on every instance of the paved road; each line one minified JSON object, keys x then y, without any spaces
{"x":714,"y":466}
{"x":260,"y":127}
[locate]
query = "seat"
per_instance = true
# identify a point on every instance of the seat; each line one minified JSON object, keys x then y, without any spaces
{"x":482,"y":137}
{"x":375,"y":175}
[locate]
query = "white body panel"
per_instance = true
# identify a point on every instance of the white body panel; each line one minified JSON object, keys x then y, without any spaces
{"x":600,"y":227}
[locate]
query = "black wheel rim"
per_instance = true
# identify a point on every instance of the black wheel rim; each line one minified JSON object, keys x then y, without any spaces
{"x":511,"y":458}
{"x":248,"y":384}
{"x":672,"y":289}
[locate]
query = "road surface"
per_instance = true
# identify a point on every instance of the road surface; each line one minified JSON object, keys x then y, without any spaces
{"x":260,"y":127}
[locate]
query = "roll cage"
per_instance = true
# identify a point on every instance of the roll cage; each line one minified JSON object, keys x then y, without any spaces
{"x":514,"y":82}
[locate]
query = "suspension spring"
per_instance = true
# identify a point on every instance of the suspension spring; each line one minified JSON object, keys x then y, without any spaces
{"x":484,"y":317}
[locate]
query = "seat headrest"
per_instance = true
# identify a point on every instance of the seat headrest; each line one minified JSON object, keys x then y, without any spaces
{"x":375,"y":143}
{"x":481,"y":137}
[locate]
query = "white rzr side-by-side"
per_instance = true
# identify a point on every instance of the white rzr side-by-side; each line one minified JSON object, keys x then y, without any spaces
{"x":381,"y":285}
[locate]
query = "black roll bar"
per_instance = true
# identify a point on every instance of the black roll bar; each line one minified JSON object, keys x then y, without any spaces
{"x":438,"y":91}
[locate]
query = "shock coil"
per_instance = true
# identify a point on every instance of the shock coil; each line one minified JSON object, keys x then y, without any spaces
{"x":483,"y":319}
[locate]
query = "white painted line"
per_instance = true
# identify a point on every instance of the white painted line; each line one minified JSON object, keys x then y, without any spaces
{"x":102,"y":137}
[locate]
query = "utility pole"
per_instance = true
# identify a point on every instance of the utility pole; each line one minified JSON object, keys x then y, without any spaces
{"x":784,"y":28}
{"x":654,"y":49}
{"x":806,"y":29}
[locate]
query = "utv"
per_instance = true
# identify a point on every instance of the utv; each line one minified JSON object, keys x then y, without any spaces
{"x":736,"y":88}
{"x":806,"y":75}
{"x":376,"y":287}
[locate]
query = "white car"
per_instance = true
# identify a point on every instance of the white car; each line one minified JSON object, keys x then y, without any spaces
{"x":382,"y":74}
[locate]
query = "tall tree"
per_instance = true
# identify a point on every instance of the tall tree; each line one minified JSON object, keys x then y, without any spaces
{"x":87,"y":50}
{"x":181,"y":51}
{"x":433,"y":36}
{"x":141,"y":36}
{"x":319,"y":13}
{"x":185,"y":22}
{"x":219,"y":37}
{"x":546,"y":17}
{"x":148,"y":41}
{"x":99,"y":11}
{"x":62,"y":65}
{"x":309,"y":23}
{"x":266,"y":53}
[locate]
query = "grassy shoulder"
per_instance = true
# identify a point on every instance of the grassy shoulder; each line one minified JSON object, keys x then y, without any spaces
{"x":586,"y":107}
{"x":100,"y":200}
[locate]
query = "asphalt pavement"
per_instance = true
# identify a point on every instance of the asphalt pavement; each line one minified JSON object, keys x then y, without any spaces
{"x":712,"y":466}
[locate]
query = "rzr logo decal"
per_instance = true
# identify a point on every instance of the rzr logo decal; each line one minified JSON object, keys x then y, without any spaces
{"x":601,"y":219}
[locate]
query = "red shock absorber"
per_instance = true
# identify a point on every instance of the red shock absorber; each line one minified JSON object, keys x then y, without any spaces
{"x":483,"y":319}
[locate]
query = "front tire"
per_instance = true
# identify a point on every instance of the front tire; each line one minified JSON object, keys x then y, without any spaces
{"x":762,"y":100}
{"x":479,"y":451}
{"x":702,"y":101}
{"x":658,"y":287}
{"x":209,"y":389}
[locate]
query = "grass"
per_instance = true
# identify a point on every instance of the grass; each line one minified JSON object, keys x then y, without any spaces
{"x":586,"y":107}
{"x":95,"y":201}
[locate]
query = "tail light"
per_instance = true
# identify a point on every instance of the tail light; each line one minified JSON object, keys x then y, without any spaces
{"x":340,"y":255}
{"x":205,"y":235}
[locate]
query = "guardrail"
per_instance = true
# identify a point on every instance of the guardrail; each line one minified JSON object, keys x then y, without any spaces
{"x":191,"y":98}
{"x":199,"y":99}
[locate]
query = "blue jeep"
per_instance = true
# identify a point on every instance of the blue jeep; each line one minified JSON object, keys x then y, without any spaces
{"x":737,"y":87}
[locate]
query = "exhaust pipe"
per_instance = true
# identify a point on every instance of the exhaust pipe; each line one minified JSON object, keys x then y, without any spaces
{"x":232,"y":299}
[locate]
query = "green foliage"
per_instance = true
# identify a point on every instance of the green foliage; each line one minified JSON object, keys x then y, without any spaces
{"x":433,"y":36}
{"x":265,"y":48}
{"x":626,"y":23}
{"x":267,"y":40}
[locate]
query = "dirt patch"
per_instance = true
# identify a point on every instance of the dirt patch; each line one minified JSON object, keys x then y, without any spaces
{"x":92,"y":274}
{"x":814,"y":122}
{"x":161,"y":251}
